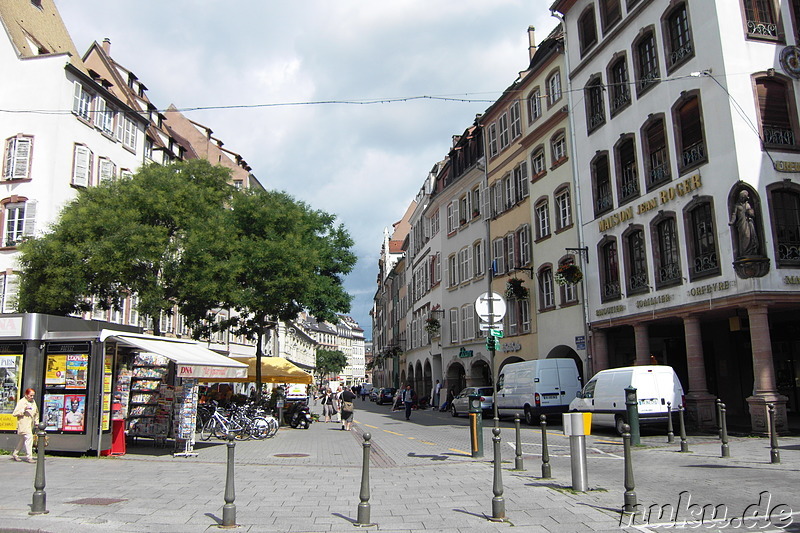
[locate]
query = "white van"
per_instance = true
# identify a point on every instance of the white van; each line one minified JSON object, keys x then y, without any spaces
{"x":541,"y":386}
{"x":604,"y":395}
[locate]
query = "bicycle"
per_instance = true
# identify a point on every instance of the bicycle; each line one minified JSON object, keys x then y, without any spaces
{"x":219,"y":427}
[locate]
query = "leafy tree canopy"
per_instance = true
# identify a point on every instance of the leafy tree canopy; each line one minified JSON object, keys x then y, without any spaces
{"x":330,"y":361}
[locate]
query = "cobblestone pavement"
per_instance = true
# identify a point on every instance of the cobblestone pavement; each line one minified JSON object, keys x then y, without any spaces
{"x":422,"y":478}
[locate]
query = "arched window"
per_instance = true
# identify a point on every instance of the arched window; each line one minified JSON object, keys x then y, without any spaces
{"x":610,"y":14}
{"x":666,"y":252}
{"x":587,"y":29}
{"x":679,"y":37}
{"x":760,"y":19}
{"x":774,"y":97}
{"x":619,"y":85}
{"x":647,"y":72}
{"x":656,"y":160}
{"x":702,"y":239}
{"x":595,"y":104}
{"x":785,"y":212}
{"x":636,"y":261}
{"x":601,"y":184}
{"x":688,"y":119}
{"x":627,"y":173}
{"x":609,"y":271}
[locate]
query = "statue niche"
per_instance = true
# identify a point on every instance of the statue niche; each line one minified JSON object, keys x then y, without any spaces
{"x":745,"y":223}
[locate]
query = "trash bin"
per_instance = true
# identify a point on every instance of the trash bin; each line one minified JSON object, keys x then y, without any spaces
{"x":117,"y":439}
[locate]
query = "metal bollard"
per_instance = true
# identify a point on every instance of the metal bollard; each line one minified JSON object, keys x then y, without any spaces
{"x":670,"y":432}
{"x":774,"y":452}
{"x":229,"y":509}
{"x":363,"y":507}
{"x":717,"y":403}
{"x":498,"y":503}
{"x":726,"y":452}
{"x":632,"y":406}
{"x":39,"y":503}
{"x":518,"y":459}
{"x":629,"y":504}
{"x":546,"y":474}
{"x":684,"y":443}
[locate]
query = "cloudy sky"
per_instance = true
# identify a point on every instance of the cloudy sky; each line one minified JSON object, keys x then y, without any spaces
{"x":362,"y":161}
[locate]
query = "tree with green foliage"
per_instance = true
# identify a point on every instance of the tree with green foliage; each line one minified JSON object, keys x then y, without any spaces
{"x":330,"y":362}
{"x":122,"y":237}
{"x":279,"y":257}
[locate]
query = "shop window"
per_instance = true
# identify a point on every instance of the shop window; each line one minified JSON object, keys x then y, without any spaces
{"x":587,"y":29}
{"x":785,"y":206}
{"x":601,"y":185}
{"x":66,"y":387}
{"x":610,"y":14}
{"x":775,"y":109}
{"x":627,"y":175}
{"x":609,"y":271}
{"x":619,"y":85}
{"x":760,"y":19}
{"x":667,"y":253}
{"x":563,"y":208}
{"x":688,"y":119}
{"x":636,"y":261}
{"x":702,"y":240}
{"x":546,"y":289}
{"x":646,"y":62}
{"x":656,"y":153}
{"x":595,"y":104}
{"x":17,"y":159}
{"x":680,"y":47}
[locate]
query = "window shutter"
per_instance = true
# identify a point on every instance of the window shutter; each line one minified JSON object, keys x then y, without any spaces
{"x":106,"y":170}
{"x":76,"y":100}
{"x":22,"y":158}
{"x":523,"y":168}
{"x":456,"y":214}
{"x":82,"y":166}
{"x":486,"y":207}
{"x":10,"y":289}
{"x":8,"y":169}
{"x":29,"y":224}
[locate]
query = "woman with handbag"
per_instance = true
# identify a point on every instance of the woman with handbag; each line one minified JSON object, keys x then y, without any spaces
{"x":27,"y":413}
{"x":347,"y":398}
{"x":327,"y":404}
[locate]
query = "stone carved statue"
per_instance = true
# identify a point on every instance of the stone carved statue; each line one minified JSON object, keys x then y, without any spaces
{"x":743,"y":220}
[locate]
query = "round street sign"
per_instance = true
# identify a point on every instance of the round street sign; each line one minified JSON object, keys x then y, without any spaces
{"x":498,"y":307}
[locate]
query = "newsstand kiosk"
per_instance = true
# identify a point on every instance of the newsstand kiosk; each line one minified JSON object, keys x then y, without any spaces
{"x":91,"y":377}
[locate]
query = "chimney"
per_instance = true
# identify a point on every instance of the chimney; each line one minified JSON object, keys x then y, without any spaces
{"x":107,"y":46}
{"x":531,"y":42}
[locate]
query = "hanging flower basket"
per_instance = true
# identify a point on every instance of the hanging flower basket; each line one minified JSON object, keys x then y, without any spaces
{"x":515,"y":290}
{"x":568,"y":274}
{"x":432,"y":326}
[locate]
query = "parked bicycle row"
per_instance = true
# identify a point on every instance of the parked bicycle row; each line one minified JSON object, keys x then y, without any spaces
{"x":246,"y":421}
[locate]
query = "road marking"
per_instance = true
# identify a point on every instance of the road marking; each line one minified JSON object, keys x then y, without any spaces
{"x":600,"y":454}
{"x":459,"y":451}
{"x":426,"y":442}
{"x":392,"y":432}
{"x":411,"y":438}
{"x":373,"y":427}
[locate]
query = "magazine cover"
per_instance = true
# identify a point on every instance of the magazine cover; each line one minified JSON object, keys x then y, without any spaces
{"x":10,"y":383}
{"x":53,"y":411}
{"x":56,"y":370}
{"x":77,"y":365}
{"x":74,"y":409}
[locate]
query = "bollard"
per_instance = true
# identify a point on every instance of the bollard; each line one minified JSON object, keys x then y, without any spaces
{"x":629,"y":505}
{"x":774,"y":452}
{"x":545,"y":454}
{"x":717,"y":403}
{"x":682,"y":425}
{"x":476,"y":425}
{"x":229,"y":509}
{"x":39,"y":503}
{"x":575,"y":429}
{"x":726,"y":452}
{"x":518,"y":459}
{"x":632,"y":406}
{"x":670,"y":432}
{"x":363,"y":507}
{"x":498,"y":503}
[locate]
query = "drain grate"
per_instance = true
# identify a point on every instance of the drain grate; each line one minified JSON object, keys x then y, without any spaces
{"x":98,"y":501}
{"x":291,"y":455}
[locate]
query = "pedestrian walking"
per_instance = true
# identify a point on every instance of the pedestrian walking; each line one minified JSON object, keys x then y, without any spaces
{"x":27,"y":413}
{"x":437,"y":392}
{"x":337,"y":404}
{"x":327,"y":404}
{"x":347,"y":409}
{"x":408,"y":400}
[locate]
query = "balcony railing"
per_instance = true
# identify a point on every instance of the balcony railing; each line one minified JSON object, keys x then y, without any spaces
{"x":679,"y":54}
{"x":621,"y":99}
{"x":611,"y":290}
{"x":638,"y":281}
{"x":604,"y":203}
{"x":693,"y":154}
{"x":659,"y":167}
{"x":778,"y":135}
{"x":630,"y":185}
{"x":669,"y":272}
{"x":762,"y":29}
{"x":706,"y":263}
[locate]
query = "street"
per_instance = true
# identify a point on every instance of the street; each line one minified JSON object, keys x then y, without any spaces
{"x":422,"y":478}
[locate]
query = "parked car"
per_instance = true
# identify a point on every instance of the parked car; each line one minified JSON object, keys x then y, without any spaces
{"x":373,"y":394}
{"x":460,"y":403}
{"x":386,"y":395}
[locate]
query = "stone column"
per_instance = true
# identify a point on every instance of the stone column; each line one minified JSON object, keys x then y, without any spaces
{"x":599,"y":351}
{"x":642,"y":341}
{"x":699,"y":402}
{"x":764,"y":389}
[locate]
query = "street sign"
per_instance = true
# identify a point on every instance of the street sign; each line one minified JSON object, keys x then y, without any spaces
{"x":484,"y":326}
{"x":498,"y":307}
{"x":498,"y":333}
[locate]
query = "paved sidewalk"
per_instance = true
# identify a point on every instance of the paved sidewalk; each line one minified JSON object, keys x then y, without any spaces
{"x":422,"y":478}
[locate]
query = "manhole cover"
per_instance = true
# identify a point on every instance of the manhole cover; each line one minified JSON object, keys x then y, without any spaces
{"x":98,"y":501}
{"x":291,"y":455}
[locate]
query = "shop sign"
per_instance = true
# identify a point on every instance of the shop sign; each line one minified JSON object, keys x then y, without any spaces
{"x":655,"y":300}
{"x":511,"y":346}
{"x":791,"y":280}
{"x":665,"y":196}
{"x":711,"y":287}
{"x":610,"y":310}
{"x":11,"y":327}
{"x":463,"y":353}
{"x":198,"y":371}
{"x":580,"y":342}
{"x":787,"y":166}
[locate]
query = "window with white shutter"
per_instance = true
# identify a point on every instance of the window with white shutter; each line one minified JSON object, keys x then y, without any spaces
{"x":10,"y":290}
{"x":82,"y":102}
{"x":106,"y":170}
{"x":499,"y":257}
{"x":81,"y":166}
{"x":453,"y":326}
{"x":18,"y":158}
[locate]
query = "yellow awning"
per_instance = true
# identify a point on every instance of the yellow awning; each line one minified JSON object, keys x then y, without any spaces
{"x":273,"y":370}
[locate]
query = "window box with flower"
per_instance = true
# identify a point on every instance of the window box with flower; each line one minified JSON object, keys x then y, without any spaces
{"x":432,"y":326}
{"x":568,"y":274}
{"x":515,"y":290}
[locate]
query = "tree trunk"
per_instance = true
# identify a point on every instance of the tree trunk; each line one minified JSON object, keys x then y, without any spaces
{"x":259,"y":355}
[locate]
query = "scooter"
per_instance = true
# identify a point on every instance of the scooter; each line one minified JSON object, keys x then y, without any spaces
{"x":300,"y":417}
